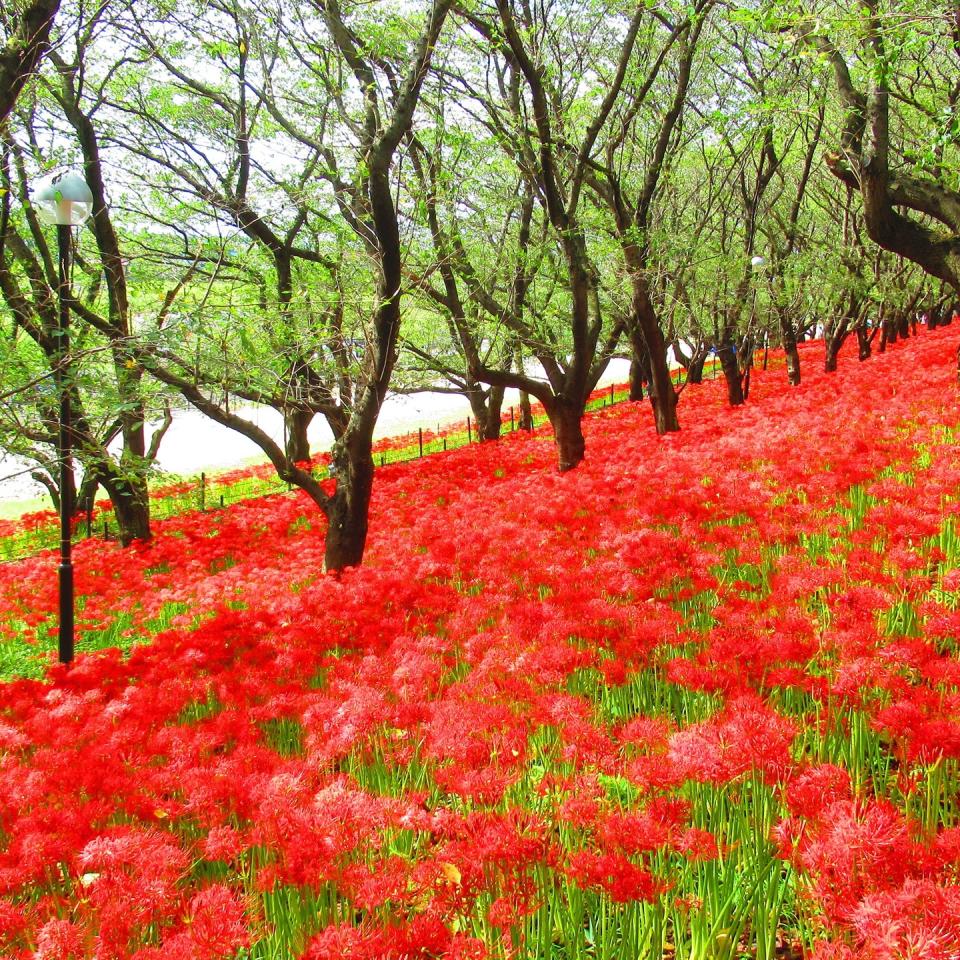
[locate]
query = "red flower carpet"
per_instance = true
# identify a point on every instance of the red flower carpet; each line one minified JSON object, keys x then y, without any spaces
{"x":698,"y":698}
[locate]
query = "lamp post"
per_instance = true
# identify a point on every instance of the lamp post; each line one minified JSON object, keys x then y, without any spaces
{"x":66,"y":202}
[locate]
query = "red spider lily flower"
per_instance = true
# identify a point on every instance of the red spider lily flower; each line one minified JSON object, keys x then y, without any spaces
{"x":60,"y":940}
{"x":215,"y":922}
{"x":614,"y":874}
{"x":746,"y":735}
{"x":811,"y":789}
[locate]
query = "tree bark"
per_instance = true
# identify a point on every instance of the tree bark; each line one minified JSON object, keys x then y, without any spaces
{"x":638,"y":377}
{"x":663,"y":396}
{"x":348,"y":510}
{"x":727,"y":355}
{"x":639,"y":363}
{"x":296,"y":423}
{"x":131,"y":506}
{"x":22,"y":54}
{"x":863,"y":162}
{"x":788,"y":335}
{"x":526,"y":412}
{"x":695,"y":362}
{"x":487,"y":407}
{"x":832,"y":348}
{"x":50,"y":486}
{"x":87,"y":497}
{"x":566,"y":419}
{"x":695,"y":370}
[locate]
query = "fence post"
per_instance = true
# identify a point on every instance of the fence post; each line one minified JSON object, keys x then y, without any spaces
{"x":203,"y":492}
{"x":444,"y":443}
{"x":383,"y":460}
{"x":612,"y":395}
{"x":221,"y":501}
{"x":420,"y":437}
{"x":469,"y":431}
{"x":512,"y":427}
{"x":89,"y":522}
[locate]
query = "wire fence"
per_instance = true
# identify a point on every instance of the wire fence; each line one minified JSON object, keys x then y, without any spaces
{"x":36,"y":533}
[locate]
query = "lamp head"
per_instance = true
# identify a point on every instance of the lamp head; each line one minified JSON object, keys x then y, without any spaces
{"x":67,"y":202}
{"x":757,"y":262}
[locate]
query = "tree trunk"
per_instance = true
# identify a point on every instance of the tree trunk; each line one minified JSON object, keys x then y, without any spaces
{"x":863,"y":343}
{"x":663,"y":399}
{"x":51,"y":487}
{"x":889,"y":335}
{"x":793,"y":364}
{"x":87,"y":496}
{"x":731,"y":373}
{"x":526,"y":414}
{"x":131,"y":506}
{"x":636,"y":379}
{"x":789,"y":337}
{"x":487,"y":408}
{"x":25,"y":45}
{"x":639,"y":363}
{"x":663,"y":396}
{"x":566,"y":419}
{"x":296,"y":423}
{"x":348,"y":511}
{"x":832,"y":347}
{"x":696,"y":363}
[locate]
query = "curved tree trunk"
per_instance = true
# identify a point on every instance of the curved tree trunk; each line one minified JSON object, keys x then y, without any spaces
{"x":26,"y":45}
{"x":663,"y":398}
{"x":696,"y":362}
{"x":50,"y":485}
{"x":86,"y":498}
{"x":296,"y":423}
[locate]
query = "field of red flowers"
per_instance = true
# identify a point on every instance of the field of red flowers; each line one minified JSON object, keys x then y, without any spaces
{"x":699,"y":698}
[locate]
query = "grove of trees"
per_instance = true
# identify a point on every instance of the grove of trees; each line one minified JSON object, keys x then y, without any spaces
{"x":305,"y":205}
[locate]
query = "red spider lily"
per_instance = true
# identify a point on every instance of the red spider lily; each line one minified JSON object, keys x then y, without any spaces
{"x":535,"y":680}
{"x":614,"y":874}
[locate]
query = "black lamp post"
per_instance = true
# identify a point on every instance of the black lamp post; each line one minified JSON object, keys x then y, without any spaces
{"x":66,"y":202}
